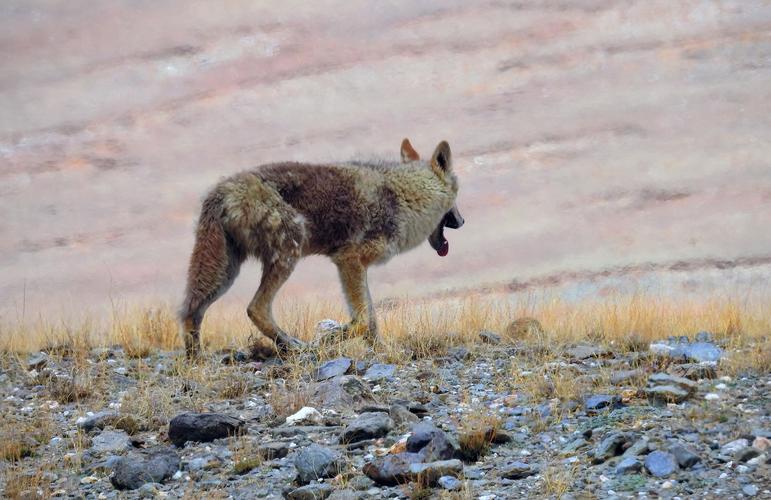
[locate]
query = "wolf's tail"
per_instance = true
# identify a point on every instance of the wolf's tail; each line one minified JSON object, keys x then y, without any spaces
{"x":214,"y":263}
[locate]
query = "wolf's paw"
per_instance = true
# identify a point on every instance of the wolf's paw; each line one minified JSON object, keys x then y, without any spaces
{"x":286,"y":343}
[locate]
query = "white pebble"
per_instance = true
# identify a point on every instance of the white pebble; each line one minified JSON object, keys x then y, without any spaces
{"x":711,"y":396}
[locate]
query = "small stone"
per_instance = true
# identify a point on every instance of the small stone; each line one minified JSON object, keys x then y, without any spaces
{"x":575,"y":445}
{"x":148,"y":490}
{"x":667,"y":379}
{"x":391,"y":470}
{"x":110,"y":442}
{"x":203,"y":427}
{"x":761,"y":443}
{"x":750,"y":490}
{"x":517,"y":470}
{"x":333,"y":368}
{"x":273,"y":451}
{"x":595,"y":403}
{"x":586,"y":351}
{"x":621,"y":377}
{"x":459,"y":353}
{"x":450,"y":483}
{"x":402,"y":416}
{"x":639,"y":447}
{"x":489,"y":337}
{"x":685,"y":457}
{"x":429,"y":473}
{"x":660,"y":464}
{"x":367,"y":426}
{"x":666,"y":394}
{"x":734,"y":447}
{"x":746,"y":454}
{"x":342,"y":393}
{"x":316,"y":462}
{"x":422,"y":433}
{"x":37,"y":360}
{"x":628,"y":465}
{"x":315,"y":491}
{"x":305,"y":416}
{"x":613,"y":445}
{"x":711,"y":396}
{"x":696,"y":371}
{"x":130,"y":473}
{"x":379,"y":372}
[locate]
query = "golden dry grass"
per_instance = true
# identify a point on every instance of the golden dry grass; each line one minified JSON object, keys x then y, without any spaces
{"x":427,"y":328}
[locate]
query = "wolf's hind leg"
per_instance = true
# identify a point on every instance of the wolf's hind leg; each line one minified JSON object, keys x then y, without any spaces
{"x":260,"y":309}
{"x":353,"y":276}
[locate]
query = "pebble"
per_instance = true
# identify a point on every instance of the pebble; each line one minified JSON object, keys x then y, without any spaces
{"x":660,"y":464}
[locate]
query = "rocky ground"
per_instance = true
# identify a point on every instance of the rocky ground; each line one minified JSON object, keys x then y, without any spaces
{"x":494,"y":419}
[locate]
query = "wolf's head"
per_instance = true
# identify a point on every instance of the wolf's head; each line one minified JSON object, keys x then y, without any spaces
{"x":441,"y":164}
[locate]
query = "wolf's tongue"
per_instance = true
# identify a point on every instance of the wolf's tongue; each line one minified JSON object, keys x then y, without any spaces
{"x":443,"y":249}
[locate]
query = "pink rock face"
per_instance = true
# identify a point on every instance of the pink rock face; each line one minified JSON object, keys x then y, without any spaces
{"x":611,"y":143}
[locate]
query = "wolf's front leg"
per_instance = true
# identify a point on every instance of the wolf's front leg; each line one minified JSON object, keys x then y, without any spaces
{"x":353,"y":276}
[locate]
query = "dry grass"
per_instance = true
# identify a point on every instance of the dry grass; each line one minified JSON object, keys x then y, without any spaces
{"x":477,"y":435}
{"x":426,"y":329}
{"x":557,"y":480}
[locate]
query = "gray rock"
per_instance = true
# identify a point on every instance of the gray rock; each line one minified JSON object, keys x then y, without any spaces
{"x":367,"y":426}
{"x":99,"y":420}
{"x":203,"y":427}
{"x":623,"y":376}
{"x":130,"y":473}
{"x":586,"y":351}
{"x":639,"y":447}
{"x":489,"y":337}
{"x":37,"y":360}
{"x":663,"y":394}
{"x":734,"y":446}
{"x":422,"y":433}
{"x":148,"y":490}
{"x":333,"y":368}
{"x":660,"y":464}
{"x":459,"y":353}
{"x":667,"y":379}
{"x":429,"y":473}
{"x":316,"y":462}
{"x":361,"y":483}
{"x":517,"y":470}
{"x":441,"y":447}
{"x":315,"y":491}
{"x":696,"y":371}
{"x":598,"y":402}
{"x":628,"y":465}
{"x":613,"y":445}
{"x":110,"y":442}
{"x":380,"y":371}
{"x":696,"y":351}
{"x":449,"y":483}
{"x":342,"y":393}
{"x":347,"y":495}
{"x":685,"y":457}
{"x":402,"y":416}
{"x":391,"y":470}
{"x":206,"y":462}
{"x":746,"y":454}
{"x":273,"y":451}
{"x":750,"y":490}
{"x":575,"y":445}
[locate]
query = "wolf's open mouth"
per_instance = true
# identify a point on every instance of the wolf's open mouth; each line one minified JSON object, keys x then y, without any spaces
{"x":438,"y":241}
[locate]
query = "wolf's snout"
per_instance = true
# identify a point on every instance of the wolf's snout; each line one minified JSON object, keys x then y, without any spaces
{"x":453,"y":219}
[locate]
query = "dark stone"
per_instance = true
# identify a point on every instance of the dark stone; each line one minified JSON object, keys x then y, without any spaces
{"x":367,"y":426}
{"x":379,"y":371}
{"x":660,"y":464}
{"x":593,"y":404}
{"x":517,"y":470}
{"x":346,"y":392}
{"x":333,"y":368}
{"x":315,"y":491}
{"x":441,"y":447}
{"x":131,"y":472}
{"x":273,"y":451}
{"x":391,"y":470}
{"x":489,"y":337}
{"x":429,"y":473}
{"x":685,"y":457}
{"x":613,"y":445}
{"x":746,"y":454}
{"x":203,"y":427}
{"x":628,"y":465}
{"x":422,"y":433}
{"x":316,"y":462}
{"x":620,"y":377}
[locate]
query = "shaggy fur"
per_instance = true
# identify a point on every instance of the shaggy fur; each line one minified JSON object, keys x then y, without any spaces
{"x":358,"y":214}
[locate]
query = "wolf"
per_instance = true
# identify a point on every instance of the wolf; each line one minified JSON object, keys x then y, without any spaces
{"x":358,"y":214}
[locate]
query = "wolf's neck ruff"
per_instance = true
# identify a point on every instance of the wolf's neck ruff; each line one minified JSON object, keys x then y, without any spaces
{"x":358,"y":214}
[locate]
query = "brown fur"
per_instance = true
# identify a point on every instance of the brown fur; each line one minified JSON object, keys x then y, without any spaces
{"x":358,"y":214}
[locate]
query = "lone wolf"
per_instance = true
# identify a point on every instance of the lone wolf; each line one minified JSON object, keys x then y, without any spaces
{"x":357,"y":213}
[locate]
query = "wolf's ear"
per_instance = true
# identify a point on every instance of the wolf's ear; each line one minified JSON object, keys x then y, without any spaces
{"x":442,"y":157}
{"x":408,"y":152}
